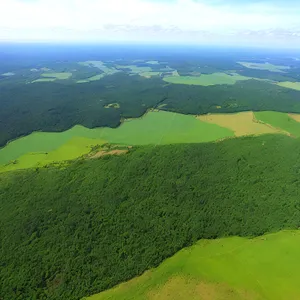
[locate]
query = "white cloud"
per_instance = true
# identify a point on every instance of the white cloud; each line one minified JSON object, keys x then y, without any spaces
{"x":97,"y":20}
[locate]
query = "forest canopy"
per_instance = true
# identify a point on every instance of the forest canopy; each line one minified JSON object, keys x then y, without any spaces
{"x":71,"y":232}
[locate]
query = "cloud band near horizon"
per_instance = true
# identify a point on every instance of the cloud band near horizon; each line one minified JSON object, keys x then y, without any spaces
{"x":274,"y":23}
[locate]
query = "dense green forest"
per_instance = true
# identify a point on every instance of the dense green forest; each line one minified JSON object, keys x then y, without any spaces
{"x":242,"y":96}
{"x":57,"y":106}
{"x":69,"y":232}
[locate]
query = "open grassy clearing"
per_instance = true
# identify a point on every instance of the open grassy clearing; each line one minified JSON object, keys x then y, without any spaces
{"x":264,"y":66}
{"x":296,"y":117}
{"x":243,"y":123}
{"x":265,"y":267}
{"x":279,"y":120}
{"x":72,"y":149}
{"x":206,"y":79}
{"x":44,"y":80}
{"x":149,"y":74}
{"x":135,"y":69}
{"x":60,"y":76}
{"x":93,"y":78}
{"x":290,"y":85}
{"x":41,"y":142}
{"x":152,"y":62}
{"x":8,"y":74}
{"x":154,"y":128}
{"x":100,"y":65}
{"x":48,"y":77}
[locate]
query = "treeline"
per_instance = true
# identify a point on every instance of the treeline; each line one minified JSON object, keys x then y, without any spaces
{"x":59,"y":106}
{"x":68,"y":233}
{"x":242,"y":96}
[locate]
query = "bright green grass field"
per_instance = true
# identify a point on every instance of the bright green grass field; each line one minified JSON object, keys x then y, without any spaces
{"x":135,"y":69}
{"x":100,"y":65}
{"x":43,"y":80}
{"x":154,"y":128}
{"x":149,"y":74}
{"x":61,"y":76}
{"x":72,"y":149}
{"x":265,"y":267}
{"x":152,"y":62}
{"x":206,"y":79}
{"x":53,"y":76}
{"x":93,"y":78}
{"x":264,"y":66}
{"x":279,"y":120}
{"x":290,"y":85}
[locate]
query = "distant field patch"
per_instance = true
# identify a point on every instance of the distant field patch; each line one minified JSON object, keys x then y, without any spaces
{"x":149,"y":74}
{"x":243,"y":123}
{"x":112,"y":105}
{"x":280,"y":121}
{"x":153,"y":128}
{"x":234,"y":268}
{"x":60,"y":76}
{"x":264,"y":66}
{"x":296,"y":117}
{"x":152,"y":62}
{"x":48,"y":77}
{"x":44,"y":80}
{"x":290,"y":85}
{"x":100,"y":65}
{"x":206,"y":79}
{"x":8,"y":74}
{"x":135,"y":69}
{"x":93,"y":78}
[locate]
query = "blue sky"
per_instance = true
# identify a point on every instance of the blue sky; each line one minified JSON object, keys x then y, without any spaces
{"x":273,"y":23}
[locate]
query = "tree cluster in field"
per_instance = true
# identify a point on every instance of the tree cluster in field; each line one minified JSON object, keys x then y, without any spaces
{"x":70,"y":232}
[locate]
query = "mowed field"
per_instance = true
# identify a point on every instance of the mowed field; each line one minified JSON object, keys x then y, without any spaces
{"x":153,"y":128}
{"x":206,"y":79}
{"x":264,"y":66}
{"x":290,"y":85}
{"x":72,"y":149}
{"x":100,"y":65}
{"x":156,"y":128}
{"x":243,"y":123}
{"x":279,"y":120}
{"x":234,"y":268}
{"x":93,"y":78}
{"x":53,"y":76}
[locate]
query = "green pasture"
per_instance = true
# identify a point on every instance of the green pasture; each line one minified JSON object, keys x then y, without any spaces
{"x":100,"y":65}
{"x":290,"y":85}
{"x":206,"y":79}
{"x":93,"y":78}
{"x":279,"y":120}
{"x":265,"y":267}
{"x":8,"y":74}
{"x":264,"y":66}
{"x":47,"y":77}
{"x":72,"y":149}
{"x":152,"y":62}
{"x":153,"y":128}
{"x":43,"y":80}
{"x":135,"y":69}
{"x":149,"y":74}
{"x":60,"y":76}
